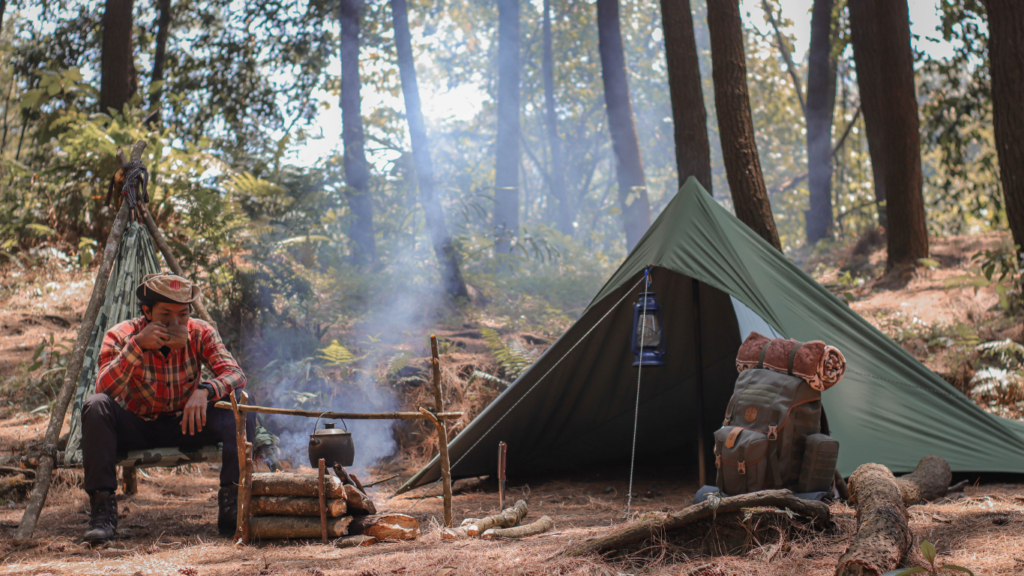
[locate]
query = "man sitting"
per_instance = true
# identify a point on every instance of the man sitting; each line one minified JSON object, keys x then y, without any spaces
{"x":150,"y":394}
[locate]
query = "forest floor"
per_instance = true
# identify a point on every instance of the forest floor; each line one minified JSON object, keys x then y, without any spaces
{"x":168,"y":528}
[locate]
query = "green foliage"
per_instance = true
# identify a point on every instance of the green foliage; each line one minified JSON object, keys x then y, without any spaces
{"x":336,"y":355}
{"x":928,"y":551}
{"x":513,"y":357}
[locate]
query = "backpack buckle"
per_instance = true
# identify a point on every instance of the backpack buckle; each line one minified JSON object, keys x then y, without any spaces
{"x":773,"y":433}
{"x":718,"y":460}
{"x":741,"y":467}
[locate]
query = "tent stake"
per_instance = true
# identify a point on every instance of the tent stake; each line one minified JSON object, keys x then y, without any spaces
{"x":699,"y":350}
{"x":47,"y":462}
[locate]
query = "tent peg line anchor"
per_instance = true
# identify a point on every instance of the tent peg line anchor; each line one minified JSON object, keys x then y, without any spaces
{"x":639,"y":371}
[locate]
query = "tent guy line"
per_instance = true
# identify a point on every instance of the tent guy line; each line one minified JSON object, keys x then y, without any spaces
{"x":636,"y":414}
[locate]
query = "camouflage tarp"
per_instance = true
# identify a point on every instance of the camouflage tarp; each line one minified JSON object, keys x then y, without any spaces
{"x":136,"y":257}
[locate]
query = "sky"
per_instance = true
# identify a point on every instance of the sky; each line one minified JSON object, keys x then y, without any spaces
{"x":463,"y":102}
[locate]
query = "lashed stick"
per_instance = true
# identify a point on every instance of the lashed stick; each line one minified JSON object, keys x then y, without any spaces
{"x":344,"y":415}
{"x":60,"y":407}
{"x":442,"y":434}
{"x":323,"y":501}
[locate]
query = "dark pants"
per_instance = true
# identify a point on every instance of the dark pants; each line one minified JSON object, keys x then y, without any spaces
{"x":109,"y":432}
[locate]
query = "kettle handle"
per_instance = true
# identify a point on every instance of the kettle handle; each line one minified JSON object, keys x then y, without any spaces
{"x":318,"y":420}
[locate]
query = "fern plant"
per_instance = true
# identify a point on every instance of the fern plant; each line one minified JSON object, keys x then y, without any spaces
{"x":336,"y":355}
{"x":1008,"y":351}
{"x":514,"y":357}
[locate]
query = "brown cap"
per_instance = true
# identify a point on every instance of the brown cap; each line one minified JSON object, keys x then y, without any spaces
{"x":167,"y":287}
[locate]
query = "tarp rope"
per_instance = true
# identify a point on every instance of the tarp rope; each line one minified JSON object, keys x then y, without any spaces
{"x":539,"y":380}
{"x":640,"y":366}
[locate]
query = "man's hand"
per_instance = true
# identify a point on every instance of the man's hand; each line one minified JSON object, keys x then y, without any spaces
{"x":194,"y":418}
{"x":153,"y":337}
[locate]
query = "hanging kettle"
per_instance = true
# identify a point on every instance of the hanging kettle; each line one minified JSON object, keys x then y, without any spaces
{"x":332,"y":444}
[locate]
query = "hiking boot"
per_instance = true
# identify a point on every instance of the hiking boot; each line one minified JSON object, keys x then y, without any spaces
{"x":102,"y":518}
{"x":227,"y":511}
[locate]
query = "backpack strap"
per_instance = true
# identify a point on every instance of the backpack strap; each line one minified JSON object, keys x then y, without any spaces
{"x":760,"y":361}
{"x":741,"y":469}
{"x":773,"y":449}
{"x":792,"y":358}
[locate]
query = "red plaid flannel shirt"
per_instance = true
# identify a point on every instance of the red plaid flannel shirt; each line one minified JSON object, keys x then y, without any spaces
{"x":149,"y":384}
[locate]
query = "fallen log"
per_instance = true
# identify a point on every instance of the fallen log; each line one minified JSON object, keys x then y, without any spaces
{"x":280,"y":527}
{"x":355,"y":541}
{"x":930,"y":481}
{"x":386,"y":527}
{"x":473,"y":527}
{"x":289,"y":484}
{"x":883,"y":533}
{"x":817,"y":512}
{"x":293,"y":506}
{"x":358,"y":502}
{"x":306,"y":486}
{"x":11,"y":483}
{"x":506,"y":519}
{"x":539,"y":527}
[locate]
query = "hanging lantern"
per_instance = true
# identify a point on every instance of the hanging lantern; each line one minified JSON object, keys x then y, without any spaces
{"x":648,"y":342}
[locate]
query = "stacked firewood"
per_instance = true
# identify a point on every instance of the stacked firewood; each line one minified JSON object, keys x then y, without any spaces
{"x":286,"y":505}
{"x":503,"y":525}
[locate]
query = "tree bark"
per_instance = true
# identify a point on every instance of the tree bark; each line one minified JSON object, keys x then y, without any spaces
{"x":355,"y":541}
{"x":295,"y":485}
{"x":556,"y":170}
{"x":821,"y":103}
{"x":280,"y":527}
{"x":636,"y":211}
{"x":386,"y":526}
{"x":357,"y":170}
{"x":163,"y":24}
{"x":735,"y":124}
{"x":3,"y":8}
{"x":1006,"y":63}
{"x":440,"y":237}
{"x":883,"y":537}
{"x":119,"y":79}
{"x":294,"y":506}
{"x":690,"y":118}
{"x":507,"y":154}
{"x":930,"y":481}
{"x":880,"y":31}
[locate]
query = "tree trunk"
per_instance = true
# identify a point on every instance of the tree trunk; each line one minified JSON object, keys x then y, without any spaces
{"x":690,"y":118}
{"x":440,"y":237}
{"x":636,"y":211}
{"x":357,"y":171}
{"x":735,"y":124}
{"x":880,"y":31}
{"x":119,"y":79}
{"x":506,"y":161}
{"x":3,"y":8}
{"x":821,"y":103}
{"x":1006,"y":63}
{"x":556,"y":170}
{"x":163,"y":24}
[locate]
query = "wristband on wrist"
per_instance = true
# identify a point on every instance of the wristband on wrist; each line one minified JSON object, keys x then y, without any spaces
{"x":211,"y":392}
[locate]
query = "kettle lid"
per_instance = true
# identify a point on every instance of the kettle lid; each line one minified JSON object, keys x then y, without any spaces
{"x":330,"y":430}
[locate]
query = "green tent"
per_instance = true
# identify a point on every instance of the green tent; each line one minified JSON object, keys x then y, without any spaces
{"x":575,"y":406}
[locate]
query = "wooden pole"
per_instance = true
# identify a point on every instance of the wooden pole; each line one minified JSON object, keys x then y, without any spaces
{"x":245,"y":503}
{"x":341,"y":415}
{"x":323,"y":500}
{"x":240,"y":441}
{"x":442,"y":433}
{"x":699,"y":388}
{"x":172,"y":262}
{"x":60,"y":407}
{"x":446,"y":473}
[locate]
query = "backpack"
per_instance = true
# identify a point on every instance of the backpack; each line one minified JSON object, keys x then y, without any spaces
{"x":763,"y":438}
